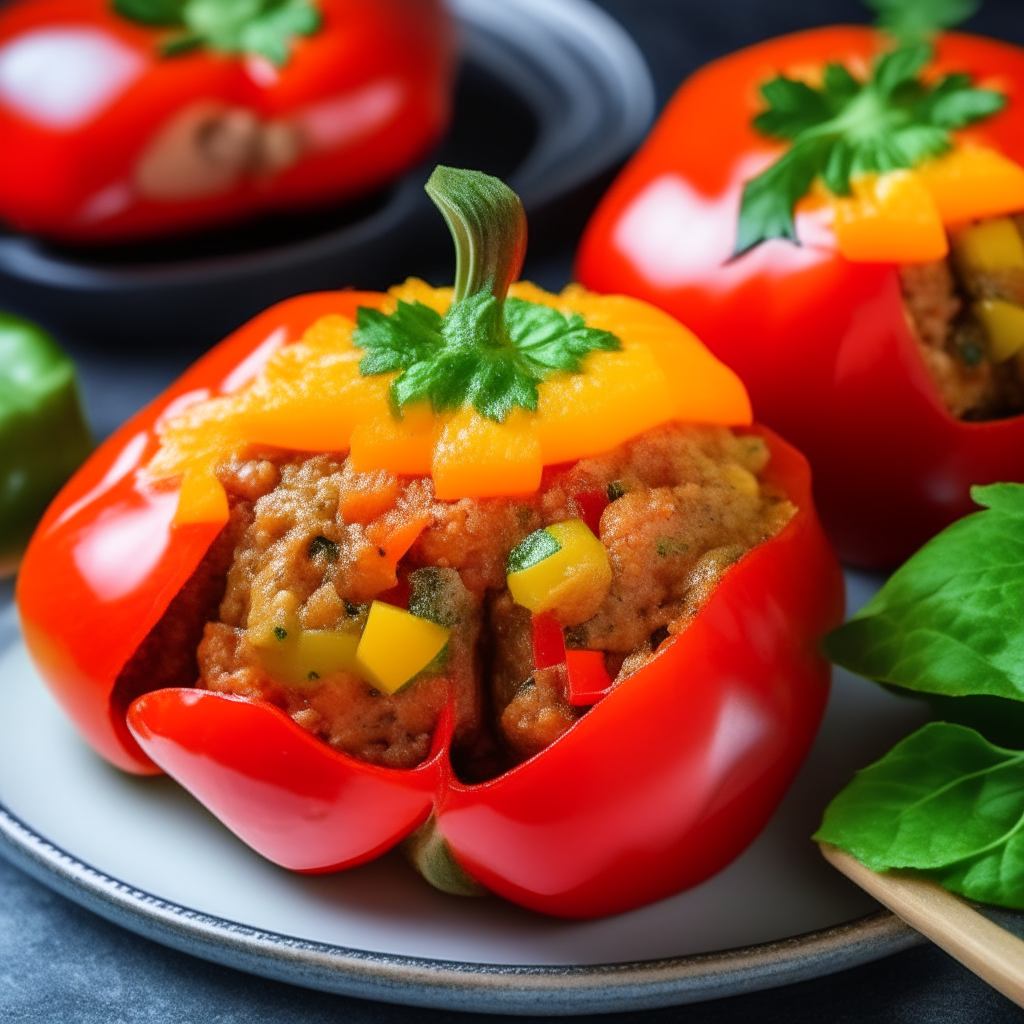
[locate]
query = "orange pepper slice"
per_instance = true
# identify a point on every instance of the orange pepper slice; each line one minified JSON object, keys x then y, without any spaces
{"x":973,"y":182}
{"x":890,"y":218}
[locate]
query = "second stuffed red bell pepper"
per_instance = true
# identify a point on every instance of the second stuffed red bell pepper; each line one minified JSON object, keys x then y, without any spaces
{"x":137,"y":118}
{"x":838,"y":217}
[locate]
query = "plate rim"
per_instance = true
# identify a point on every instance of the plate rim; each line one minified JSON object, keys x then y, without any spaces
{"x":446,"y":984}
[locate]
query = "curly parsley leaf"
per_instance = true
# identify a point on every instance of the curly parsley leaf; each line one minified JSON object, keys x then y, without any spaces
{"x":265,"y":28}
{"x":848,"y":128}
{"x":944,"y":802}
{"x":951,"y":619}
{"x":483,"y":353}
{"x":917,"y":19}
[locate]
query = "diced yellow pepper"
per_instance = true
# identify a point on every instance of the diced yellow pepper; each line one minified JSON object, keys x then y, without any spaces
{"x":396,"y":644}
{"x":572,"y":582}
{"x":202,"y":499}
{"x":1004,"y":324}
{"x":990,"y":247}
{"x":307,"y":656}
{"x":891,"y":218}
{"x":973,"y":182}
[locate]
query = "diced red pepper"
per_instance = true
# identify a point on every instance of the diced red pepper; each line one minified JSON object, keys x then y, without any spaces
{"x":591,"y":504}
{"x":588,"y":678}
{"x":548,"y":642}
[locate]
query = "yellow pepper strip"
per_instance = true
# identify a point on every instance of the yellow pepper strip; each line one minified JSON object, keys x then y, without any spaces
{"x":891,"y":218}
{"x":396,"y":645}
{"x":621,"y":395}
{"x":572,"y":582}
{"x":311,"y":397}
{"x":701,"y":388}
{"x":973,"y":182}
{"x":1004,"y":324}
{"x":202,"y":499}
{"x":990,"y":247}
{"x":476,"y":457}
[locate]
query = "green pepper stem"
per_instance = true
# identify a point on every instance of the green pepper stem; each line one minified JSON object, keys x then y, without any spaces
{"x":488,"y":226}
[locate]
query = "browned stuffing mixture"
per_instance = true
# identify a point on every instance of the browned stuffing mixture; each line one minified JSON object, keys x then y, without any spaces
{"x":953,"y":342}
{"x":311,"y":535}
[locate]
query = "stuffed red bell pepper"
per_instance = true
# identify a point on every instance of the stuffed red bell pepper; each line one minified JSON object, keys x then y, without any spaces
{"x":122,"y":119}
{"x":505,"y":576}
{"x":838,"y":214}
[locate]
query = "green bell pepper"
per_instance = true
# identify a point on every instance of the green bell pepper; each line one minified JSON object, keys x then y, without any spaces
{"x":43,"y":433}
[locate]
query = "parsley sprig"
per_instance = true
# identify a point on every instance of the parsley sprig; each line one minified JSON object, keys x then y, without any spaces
{"x":488,"y":351}
{"x":848,"y":128}
{"x":265,"y":28}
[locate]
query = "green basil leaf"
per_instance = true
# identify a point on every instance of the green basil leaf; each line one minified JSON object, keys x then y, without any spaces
{"x":951,"y":620}
{"x":527,"y":553}
{"x":944,"y":801}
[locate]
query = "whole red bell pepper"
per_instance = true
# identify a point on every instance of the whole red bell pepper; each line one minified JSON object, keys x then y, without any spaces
{"x":822,"y":342}
{"x":657,"y":787}
{"x":128,"y":118}
{"x":659,"y":784}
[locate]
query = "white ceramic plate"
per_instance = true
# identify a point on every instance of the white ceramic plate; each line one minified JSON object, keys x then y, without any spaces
{"x":143,"y":853}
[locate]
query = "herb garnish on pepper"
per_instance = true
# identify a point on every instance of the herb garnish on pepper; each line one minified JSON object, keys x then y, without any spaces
{"x":945,"y":801}
{"x":488,"y":351}
{"x":893,"y":121}
{"x":264,"y":28}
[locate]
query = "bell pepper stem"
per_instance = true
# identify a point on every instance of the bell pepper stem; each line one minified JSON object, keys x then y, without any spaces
{"x":429,"y":853}
{"x":488,"y":225}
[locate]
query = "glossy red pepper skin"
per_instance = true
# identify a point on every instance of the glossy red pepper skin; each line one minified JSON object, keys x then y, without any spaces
{"x":822,"y":344}
{"x":658,"y":786}
{"x":366,"y":95}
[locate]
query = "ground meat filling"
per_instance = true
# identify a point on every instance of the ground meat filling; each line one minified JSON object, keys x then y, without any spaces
{"x":323,"y":541}
{"x":941,"y":303}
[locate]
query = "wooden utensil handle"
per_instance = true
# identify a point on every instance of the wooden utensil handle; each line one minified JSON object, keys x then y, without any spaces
{"x":983,"y":947}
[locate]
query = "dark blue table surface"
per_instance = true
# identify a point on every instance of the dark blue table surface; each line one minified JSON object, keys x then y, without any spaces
{"x":59,"y":964}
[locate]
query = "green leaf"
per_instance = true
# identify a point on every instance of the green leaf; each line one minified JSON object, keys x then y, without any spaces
{"x":529,"y":552}
{"x":265,"y":28}
{"x":488,"y":352}
{"x":793,"y":107}
{"x":151,"y":12}
{"x":848,"y":128}
{"x":951,"y":620}
{"x":766,"y":209}
{"x":944,"y":802}
{"x":899,"y":66}
{"x":483,"y":353}
{"x":917,"y":19}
